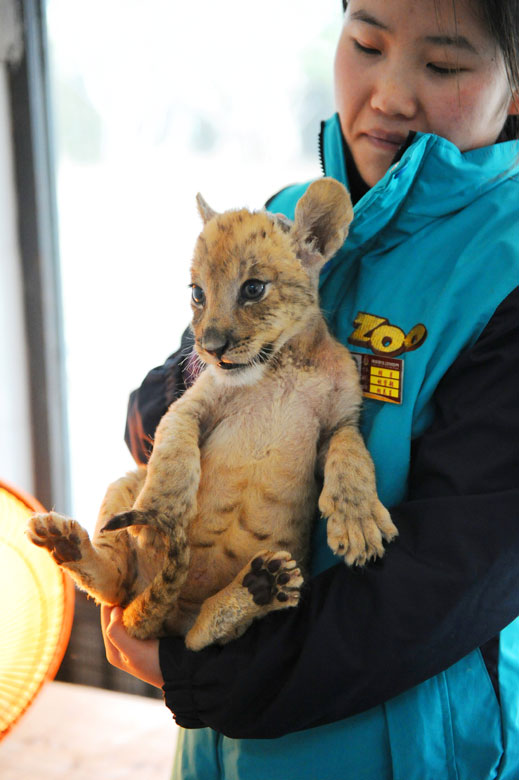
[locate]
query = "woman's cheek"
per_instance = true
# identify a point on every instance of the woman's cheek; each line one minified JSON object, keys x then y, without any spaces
{"x":455,"y":115}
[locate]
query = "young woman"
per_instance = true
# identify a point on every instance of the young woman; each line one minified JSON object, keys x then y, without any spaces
{"x":410,"y":668}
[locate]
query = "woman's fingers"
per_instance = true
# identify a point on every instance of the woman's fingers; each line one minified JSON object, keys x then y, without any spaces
{"x":138,"y":657}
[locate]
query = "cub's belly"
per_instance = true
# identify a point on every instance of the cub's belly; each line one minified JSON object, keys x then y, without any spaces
{"x":257,"y":492}
{"x":209,"y":572}
{"x":259,"y":463}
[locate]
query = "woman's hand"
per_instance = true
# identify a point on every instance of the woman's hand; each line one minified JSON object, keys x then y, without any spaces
{"x":138,"y":657}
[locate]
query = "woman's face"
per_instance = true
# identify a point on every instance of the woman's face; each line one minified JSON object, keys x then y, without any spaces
{"x":406,"y":65}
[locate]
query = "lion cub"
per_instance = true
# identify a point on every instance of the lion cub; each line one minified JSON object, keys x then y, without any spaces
{"x":213,"y":532}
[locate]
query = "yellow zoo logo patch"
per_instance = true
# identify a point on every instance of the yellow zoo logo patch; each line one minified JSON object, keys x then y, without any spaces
{"x":377,"y":334}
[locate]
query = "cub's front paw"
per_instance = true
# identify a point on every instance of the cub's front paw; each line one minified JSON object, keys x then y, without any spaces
{"x":357,"y":533}
{"x":274,"y":579}
{"x":62,"y":537}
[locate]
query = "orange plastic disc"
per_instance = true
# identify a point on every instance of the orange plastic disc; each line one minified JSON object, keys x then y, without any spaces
{"x":37,"y":609}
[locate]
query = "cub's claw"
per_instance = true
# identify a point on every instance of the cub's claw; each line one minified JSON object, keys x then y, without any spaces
{"x":274,"y":579}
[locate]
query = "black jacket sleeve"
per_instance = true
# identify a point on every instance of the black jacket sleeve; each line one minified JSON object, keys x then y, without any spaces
{"x":446,"y":586}
{"x":151,"y":400}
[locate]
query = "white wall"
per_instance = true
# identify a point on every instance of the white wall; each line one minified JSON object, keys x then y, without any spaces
{"x":15,"y":446}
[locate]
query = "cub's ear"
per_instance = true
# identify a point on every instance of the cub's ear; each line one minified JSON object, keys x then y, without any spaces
{"x":322,"y":220}
{"x":205,"y":211}
{"x":283,"y":222}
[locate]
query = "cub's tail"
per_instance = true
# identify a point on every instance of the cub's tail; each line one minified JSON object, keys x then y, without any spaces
{"x":145,"y":616}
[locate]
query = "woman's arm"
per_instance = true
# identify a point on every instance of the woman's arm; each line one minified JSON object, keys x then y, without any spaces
{"x":148,"y":404}
{"x":447,"y":585}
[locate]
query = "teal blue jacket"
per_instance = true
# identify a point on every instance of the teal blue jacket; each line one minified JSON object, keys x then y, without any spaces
{"x":410,"y":669}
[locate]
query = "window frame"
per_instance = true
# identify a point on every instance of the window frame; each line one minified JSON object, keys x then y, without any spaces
{"x":39,"y":256}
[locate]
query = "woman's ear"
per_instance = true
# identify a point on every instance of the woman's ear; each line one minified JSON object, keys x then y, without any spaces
{"x":513,"y":107}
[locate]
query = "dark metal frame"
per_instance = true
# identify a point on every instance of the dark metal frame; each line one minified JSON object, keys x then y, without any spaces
{"x":37,"y":230}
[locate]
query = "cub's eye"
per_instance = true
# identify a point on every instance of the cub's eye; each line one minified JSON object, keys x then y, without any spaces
{"x":252,"y":290}
{"x":197,"y":295}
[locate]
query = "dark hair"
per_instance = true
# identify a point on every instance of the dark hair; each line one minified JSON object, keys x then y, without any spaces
{"x":501,"y":18}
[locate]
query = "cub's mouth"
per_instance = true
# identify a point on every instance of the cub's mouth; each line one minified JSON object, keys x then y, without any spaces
{"x":261,"y":358}
{"x":232,"y":366}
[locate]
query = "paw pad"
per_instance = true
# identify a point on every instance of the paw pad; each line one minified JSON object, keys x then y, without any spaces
{"x":273,"y":577}
{"x":58,"y":535}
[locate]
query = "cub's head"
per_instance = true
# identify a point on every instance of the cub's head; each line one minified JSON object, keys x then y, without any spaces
{"x":255,"y":278}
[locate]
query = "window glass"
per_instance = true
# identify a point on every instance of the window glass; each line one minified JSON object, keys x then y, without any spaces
{"x":153,"y":101}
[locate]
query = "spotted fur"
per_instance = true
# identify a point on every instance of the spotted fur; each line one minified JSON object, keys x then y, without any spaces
{"x":215,"y":531}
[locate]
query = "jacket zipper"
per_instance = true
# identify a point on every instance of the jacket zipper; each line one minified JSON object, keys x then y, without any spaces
{"x":321,"y":148}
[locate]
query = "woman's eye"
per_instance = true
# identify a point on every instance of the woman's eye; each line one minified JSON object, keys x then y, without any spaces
{"x":443,"y":70}
{"x":197,"y":295}
{"x":365,"y":49}
{"x":252,"y":290}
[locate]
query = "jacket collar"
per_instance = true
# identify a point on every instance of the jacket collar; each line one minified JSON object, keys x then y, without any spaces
{"x":456,"y":178}
{"x":431,"y":179}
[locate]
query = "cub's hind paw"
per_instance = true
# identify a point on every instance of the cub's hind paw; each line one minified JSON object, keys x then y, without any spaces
{"x":274,"y":579}
{"x":62,"y":537}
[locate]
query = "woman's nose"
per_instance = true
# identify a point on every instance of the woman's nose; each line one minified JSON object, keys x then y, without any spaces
{"x":393,"y":95}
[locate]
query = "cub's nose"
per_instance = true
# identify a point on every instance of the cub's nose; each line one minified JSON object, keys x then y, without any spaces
{"x":217,"y":352}
{"x":215,"y":342}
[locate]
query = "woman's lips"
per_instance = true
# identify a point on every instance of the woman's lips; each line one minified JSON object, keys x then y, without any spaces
{"x":386,"y":141}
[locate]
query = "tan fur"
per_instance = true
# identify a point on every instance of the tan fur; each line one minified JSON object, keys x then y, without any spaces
{"x":215,"y":531}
